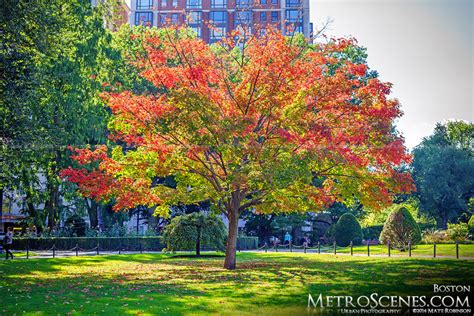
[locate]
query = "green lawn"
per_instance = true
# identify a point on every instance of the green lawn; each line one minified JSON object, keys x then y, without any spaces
{"x":466,"y":250}
{"x":271,"y":283}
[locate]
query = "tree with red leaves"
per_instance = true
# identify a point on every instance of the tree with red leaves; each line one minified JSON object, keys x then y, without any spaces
{"x":273,"y":124}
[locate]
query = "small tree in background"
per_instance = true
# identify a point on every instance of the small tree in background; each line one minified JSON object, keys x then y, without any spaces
{"x":347,"y":229}
{"x":400,"y":229}
{"x":192,"y":230}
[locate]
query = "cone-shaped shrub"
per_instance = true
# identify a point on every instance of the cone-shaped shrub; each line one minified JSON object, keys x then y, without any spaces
{"x":348,"y":229}
{"x":471,"y":227}
{"x":400,"y":229}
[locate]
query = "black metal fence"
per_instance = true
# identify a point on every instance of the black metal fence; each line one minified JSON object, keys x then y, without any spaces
{"x":54,"y":246}
{"x":387,"y":249}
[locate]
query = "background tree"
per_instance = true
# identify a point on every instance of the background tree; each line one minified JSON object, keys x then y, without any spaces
{"x":193,"y":230}
{"x":443,"y":166}
{"x":400,"y":229}
{"x":278,"y":125}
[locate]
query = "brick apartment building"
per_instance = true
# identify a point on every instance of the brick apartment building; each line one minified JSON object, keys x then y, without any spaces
{"x":224,"y":15}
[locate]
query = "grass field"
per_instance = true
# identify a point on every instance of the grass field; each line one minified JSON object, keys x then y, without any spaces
{"x":465,"y":250}
{"x":265,"y":283}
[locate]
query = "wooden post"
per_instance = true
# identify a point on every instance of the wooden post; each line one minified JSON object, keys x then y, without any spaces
{"x":352,"y":253}
{"x":319,"y":247}
{"x":409,"y":249}
{"x":368,"y":249}
{"x":120,"y":246}
{"x":27,"y":247}
{"x":265,"y":247}
{"x":457,"y":250}
{"x":291,"y":247}
{"x":238,"y":244}
{"x":304,"y":247}
{"x":388,"y":247}
{"x":54,"y":250}
{"x":334,"y":247}
{"x":140,"y":242}
{"x":97,"y":245}
{"x":434,"y":250}
{"x":77,"y":249}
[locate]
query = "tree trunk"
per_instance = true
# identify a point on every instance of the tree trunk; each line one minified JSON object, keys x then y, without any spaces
{"x":92,"y":211}
{"x":1,"y":209}
{"x":443,"y":220}
{"x":230,"y":251}
{"x":198,"y":242}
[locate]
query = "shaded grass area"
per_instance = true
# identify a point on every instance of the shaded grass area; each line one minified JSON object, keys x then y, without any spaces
{"x":265,"y":283}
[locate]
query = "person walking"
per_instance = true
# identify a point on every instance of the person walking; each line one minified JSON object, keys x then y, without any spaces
{"x":7,"y":243}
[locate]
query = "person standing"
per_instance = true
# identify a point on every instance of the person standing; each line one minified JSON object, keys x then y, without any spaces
{"x":287,"y":238}
{"x":7,"y":242}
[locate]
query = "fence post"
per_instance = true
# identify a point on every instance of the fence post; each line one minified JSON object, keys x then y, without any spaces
{"x":368,"y":249}
{"x":319,"y":247}
{"x":77,"y":249}
{"x":141,"y":247}
{"x":409,"y":249}
{"x":120,"y":246}
{"x":388,"y":247}
{"x":457,"y":250}
{"x":334,"y":247}
{"x":304,"y":247}
{"x":291,"y":247}
{"x":28,"y":248}
{"x":434,"y":250}
{"x":54,"y":250}
{"x":265,"y":245}
{"x":97,"y":245}
{"x":238,"y":244}
{"x":352,"y":253}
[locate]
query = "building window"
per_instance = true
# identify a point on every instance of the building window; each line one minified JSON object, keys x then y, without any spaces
{"x":274,"y":16}
{"x":243,"y":3}
{"x":163,"y":3}
{"x":197,"y":30}
{"x":144,"y":4}
{"x":194,"y":17}
{"x":218,"y":17}
{"x":175,"y":3}
{"x":163,"y":18}
{"x":293,"y":16}
{"x":275,"y":2}
{"x":217,"y":33}
{"x":295,"y":29}
{"x":174,"y":18}
{"x":144,"y":18}
{"x":243,"y":17}
{"x":193,"y":4}
{"x":293,"y":3}
{"x":219,"y":4}
{"x":263,"y":1}
{"x":263,"y":16}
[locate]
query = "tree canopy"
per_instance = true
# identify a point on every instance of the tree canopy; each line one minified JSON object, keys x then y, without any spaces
{"x":443,"y":166}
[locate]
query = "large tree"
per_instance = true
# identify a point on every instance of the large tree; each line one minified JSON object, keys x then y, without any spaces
{"x":443,"y":166}
{"x":271,"y":124}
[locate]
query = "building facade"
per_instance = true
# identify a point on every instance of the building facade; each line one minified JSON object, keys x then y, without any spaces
{"x":214,"y":19}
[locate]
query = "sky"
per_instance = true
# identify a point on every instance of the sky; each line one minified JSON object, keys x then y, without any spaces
{"x":423,"y":47}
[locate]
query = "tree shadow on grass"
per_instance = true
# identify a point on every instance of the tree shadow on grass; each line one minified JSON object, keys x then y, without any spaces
{"x":124,"y":283}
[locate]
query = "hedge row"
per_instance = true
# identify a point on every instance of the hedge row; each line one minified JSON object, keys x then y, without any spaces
{"x":152,"y":243}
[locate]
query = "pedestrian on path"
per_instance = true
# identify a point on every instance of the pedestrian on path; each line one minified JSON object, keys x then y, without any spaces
{"x":7,"y":243}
